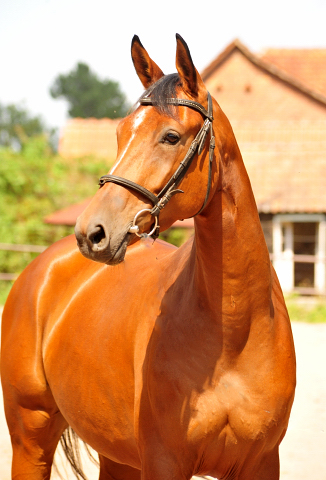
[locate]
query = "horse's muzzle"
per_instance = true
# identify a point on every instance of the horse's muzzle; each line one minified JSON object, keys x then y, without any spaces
{"x":96,"y":244}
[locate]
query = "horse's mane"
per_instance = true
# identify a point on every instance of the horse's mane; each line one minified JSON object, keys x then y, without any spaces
{"x":165,"y":87}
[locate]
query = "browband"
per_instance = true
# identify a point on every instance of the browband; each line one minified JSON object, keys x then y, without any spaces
{"x":180,"y":102}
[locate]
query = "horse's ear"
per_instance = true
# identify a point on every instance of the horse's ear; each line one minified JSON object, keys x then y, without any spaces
{"x":192,"y":83}
{"x":146,"y":69}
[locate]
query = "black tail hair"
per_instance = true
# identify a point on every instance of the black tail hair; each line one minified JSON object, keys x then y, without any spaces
{"x":70,"y":443}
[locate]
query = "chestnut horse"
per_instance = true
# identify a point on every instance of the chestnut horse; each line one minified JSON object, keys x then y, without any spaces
{"x":168,"y":362}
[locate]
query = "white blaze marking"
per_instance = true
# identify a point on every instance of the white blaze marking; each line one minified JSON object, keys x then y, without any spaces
{"x":139,"y":118}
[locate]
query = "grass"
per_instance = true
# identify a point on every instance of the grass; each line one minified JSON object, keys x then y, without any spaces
{"x":306,"y":309}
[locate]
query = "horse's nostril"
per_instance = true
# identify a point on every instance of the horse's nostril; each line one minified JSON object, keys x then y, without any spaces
{"x":97,"y":237}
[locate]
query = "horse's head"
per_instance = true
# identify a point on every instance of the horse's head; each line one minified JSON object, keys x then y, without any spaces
{"x":163,"y":147}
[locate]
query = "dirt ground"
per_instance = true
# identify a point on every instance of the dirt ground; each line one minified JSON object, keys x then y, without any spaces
{"x":303,"y":449}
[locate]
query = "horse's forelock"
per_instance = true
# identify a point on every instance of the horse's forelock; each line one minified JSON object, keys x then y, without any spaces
{"x":165,"y":87}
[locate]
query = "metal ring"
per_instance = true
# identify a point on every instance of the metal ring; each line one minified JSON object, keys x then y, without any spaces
{"x":135,"y":229}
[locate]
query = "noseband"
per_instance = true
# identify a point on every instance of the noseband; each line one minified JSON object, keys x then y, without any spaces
{"x":159,"y":201}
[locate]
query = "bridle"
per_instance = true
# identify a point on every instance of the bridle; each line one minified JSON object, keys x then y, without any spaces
{"x":170,"y":188}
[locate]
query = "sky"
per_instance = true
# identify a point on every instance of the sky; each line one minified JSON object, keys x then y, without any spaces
{"x":40,"y":39}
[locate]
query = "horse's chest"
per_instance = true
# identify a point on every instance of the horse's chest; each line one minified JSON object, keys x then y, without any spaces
{"x":213,"y":412}
{"x":229,"y":408}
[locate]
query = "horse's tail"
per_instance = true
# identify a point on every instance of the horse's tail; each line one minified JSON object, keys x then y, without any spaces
{"x":70,"y":443}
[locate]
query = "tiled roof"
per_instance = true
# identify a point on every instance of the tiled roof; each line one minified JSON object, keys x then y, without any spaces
{"x":286,"y":165}
{"x":68,"y":216}
{"x":264,"y":62}
{"x":89,"y":136}
{"x":306,"y":65}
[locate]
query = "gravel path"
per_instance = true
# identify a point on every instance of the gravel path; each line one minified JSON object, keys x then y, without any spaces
{"x":304,"y":448}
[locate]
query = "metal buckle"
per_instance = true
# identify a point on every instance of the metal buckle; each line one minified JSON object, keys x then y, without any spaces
{"x":135,"y":229}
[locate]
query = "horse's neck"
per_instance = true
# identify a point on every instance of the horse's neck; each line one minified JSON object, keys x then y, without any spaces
{"x":230,"y":258}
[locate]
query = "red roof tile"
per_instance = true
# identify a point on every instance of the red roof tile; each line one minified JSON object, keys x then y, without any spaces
{"x":89,"y":136}
{"x":306,"y":65}
{"x":68,"y":216}
{"x":265,"y":62}
{"x":286,"y":165}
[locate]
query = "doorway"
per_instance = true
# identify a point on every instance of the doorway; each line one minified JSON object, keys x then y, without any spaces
{"x":304,"y":249}
{"x":299,"y":252}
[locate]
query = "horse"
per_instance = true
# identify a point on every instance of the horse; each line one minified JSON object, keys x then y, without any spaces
{"x":169,"y":362}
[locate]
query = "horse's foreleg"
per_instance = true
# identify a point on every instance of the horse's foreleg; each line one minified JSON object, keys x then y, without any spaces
{"x":269,"y":467}
{"x":161,"y":463}
{"x":34,"y":436}
{"x":110,"y":470}
{"x":35,"y":431}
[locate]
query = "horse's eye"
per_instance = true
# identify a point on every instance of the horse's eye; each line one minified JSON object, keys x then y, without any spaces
{"x":171,"y":138}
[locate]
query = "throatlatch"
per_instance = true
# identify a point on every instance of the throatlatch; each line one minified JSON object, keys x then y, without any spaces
{"x":159,"y":201}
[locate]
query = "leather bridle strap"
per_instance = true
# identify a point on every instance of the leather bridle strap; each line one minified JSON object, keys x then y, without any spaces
{"x":185,"y":103}
{"x":159,"y":201}
{"x":124,"y":182}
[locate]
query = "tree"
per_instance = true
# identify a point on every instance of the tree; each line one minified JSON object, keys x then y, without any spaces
{"x":35,"y":182}
{"x":16,"y":124}
{"x":88,"y":96}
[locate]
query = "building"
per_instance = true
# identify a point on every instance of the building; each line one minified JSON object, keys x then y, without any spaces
{"x":276,"y":103}
{"x":89,"y":136}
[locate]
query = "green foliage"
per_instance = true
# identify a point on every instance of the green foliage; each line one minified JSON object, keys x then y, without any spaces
{"x":5,"y":287}
{"x":33,"y":184}
{"x":176,"y":236}
{"x":88,"y":96}
{"x":309,"y":311}
{"x":16,"y":124}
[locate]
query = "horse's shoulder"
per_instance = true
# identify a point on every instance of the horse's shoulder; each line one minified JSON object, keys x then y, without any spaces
{"x":45,"y":269}
{"x":59,"y":272}
{"x":61,"y":256}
